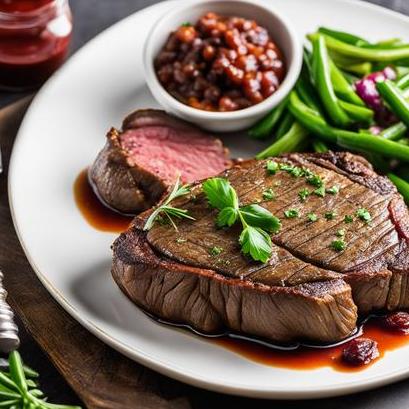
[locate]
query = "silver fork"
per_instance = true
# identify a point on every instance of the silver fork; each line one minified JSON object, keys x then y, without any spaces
{"x":9,"y":339}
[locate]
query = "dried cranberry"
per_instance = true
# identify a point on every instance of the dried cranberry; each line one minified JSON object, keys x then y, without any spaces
{"x":398,"y":321}
{"x":186,"y":34}
{"x":360,"y":351}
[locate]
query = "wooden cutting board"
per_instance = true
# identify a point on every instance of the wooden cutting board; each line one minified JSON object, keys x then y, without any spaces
{"x":99,"y":375}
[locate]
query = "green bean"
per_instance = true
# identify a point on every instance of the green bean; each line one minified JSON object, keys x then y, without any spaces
{"x":344,"y":37}
{"x":394,"y":132}
{"x":366,"y":54}
{"x":346,"y":139}
{"x":404,"y":141}
{"x":307,"y":94}
{"x":265,"y":126}
{"x":403,"y":82}
{"x":401,"y":185}
{"x":324,"y":84}
{"x":7,"y":384}
{"x":8,"y":403}
{"x":357,"y":113}
{"x":342,"y":87}
{"x":285,"y":125}
{"x":361,"y":69}
{"x":290,"y":142}
{"x":352,"y":79}
{"x":393,"y":96}
{"x":391,"y":42}
{"x":319,"y":146}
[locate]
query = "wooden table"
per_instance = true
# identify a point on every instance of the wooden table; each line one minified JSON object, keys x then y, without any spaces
{"x":100,"y":377}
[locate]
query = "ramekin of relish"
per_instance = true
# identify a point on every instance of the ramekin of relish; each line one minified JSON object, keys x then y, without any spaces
{"x":220,"y":63}
{"x":34,"y":41}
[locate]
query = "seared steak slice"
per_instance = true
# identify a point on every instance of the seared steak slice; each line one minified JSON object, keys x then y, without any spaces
{"x":139,"y":163}
{"x":307,"y":291}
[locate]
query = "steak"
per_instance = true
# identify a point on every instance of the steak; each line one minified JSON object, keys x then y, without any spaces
{"x":307,"y":291}
{"x":140,"y":162}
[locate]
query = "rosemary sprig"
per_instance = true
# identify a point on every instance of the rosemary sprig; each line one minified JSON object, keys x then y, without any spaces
{"x":16,"y":391}
{"x":170,"y":211}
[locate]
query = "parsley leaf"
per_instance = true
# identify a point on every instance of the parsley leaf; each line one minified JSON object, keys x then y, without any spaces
{"x":257,"y":222}
{"x":269,"y":194}
{"x":256,"y":243}
{"x":338,"y":245}
{"x":320,"y":191}
{"x":272,"y":167}
{"x":312,"y":217}
{"x":291,"y":213}
{"x":315,"y":180}
{"x":303,"y":194}
{"x":364,"y":215}
{"x":330,"y":215}
{"x":227,"y":217}
{"x":348,"y":218}
{"x":333,"y":190}
{"x":220,"y":193}
{"x":164,"y":209}
{"x":215,"y":251}
{"x":258,"y":216}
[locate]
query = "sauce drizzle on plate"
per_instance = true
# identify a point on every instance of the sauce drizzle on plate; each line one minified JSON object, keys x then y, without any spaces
{"x":95,"y":213}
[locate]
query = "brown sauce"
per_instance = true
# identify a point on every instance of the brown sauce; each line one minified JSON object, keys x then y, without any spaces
{"x":305,"y":358}
{"x":95,"y":213}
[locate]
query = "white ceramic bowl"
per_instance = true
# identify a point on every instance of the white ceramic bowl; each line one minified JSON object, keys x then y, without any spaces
{"x":280,"y":31}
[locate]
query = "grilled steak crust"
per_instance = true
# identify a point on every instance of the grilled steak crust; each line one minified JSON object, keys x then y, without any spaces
{"x":139,"y":163}
{"x":307,"y":291}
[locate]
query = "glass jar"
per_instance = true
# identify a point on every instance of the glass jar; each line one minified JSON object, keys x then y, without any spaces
{"x":34,"y":41}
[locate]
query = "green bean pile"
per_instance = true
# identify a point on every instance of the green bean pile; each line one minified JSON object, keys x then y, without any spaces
{"x":324,"y":111}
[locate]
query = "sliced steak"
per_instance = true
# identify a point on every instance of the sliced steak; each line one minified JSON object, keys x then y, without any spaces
{"x":140,"y":162}
{"x":307,"y":290}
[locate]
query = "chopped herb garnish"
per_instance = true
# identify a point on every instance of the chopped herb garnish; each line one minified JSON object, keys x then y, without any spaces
{"x":333,"y":190}
{"x":340,"y":233}
{"x":170,"y":212}
{"x":330,"y":215}
{"x":272,"y":167}
{"x":315,"y":180}
{"x":186,"y":24}
{"x":303,"y":194}
{"x":291,"y":213}
{"x":269,"y":194}
{"x":179,"y":240}
{"x":312,"y":217}
{"x":307,"y":172}
{"x":338,"y":245}
{"x":257,"y":222}
{"x":348,"y":218}
{"x":320,"y":191}
{"x":215,"y":251}
{"x":364,"y":215}
{"x":292,"y":170}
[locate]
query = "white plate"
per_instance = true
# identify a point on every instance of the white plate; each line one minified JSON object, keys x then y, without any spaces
{"x":61,"y":135}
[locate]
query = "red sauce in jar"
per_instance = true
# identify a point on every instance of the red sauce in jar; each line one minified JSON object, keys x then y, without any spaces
{"x":94,"y":212}
{"x":220,"y":63}
{"x":34,"y":40}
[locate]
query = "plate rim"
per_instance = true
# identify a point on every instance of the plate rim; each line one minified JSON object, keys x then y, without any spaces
{"x":164,"y":368}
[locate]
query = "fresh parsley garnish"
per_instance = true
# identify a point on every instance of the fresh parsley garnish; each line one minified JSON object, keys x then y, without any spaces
{"x":272,"y":167}
{"x":269,"y":194}
{"x":320,"y":191}
{"x":348,"y":218}
{"x":186,"y":24}
{"x":364,"y":215}
{"x":170,"y":212}
{"x":303,"y":194}
{"x":333,"y":190}
{"x":312,"y":217}
{"x":338,"y":245}
{"x":315,"y":180}
{"x":257,"y":222}
{"x":291,"y":213}
{"x":215,"y":250}
{"x":292,"y":170}
{"x":330,"y":215}
{"x":340,"y":233}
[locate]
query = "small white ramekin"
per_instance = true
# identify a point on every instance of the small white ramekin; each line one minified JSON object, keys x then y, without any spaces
{"x":280,"y":30}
